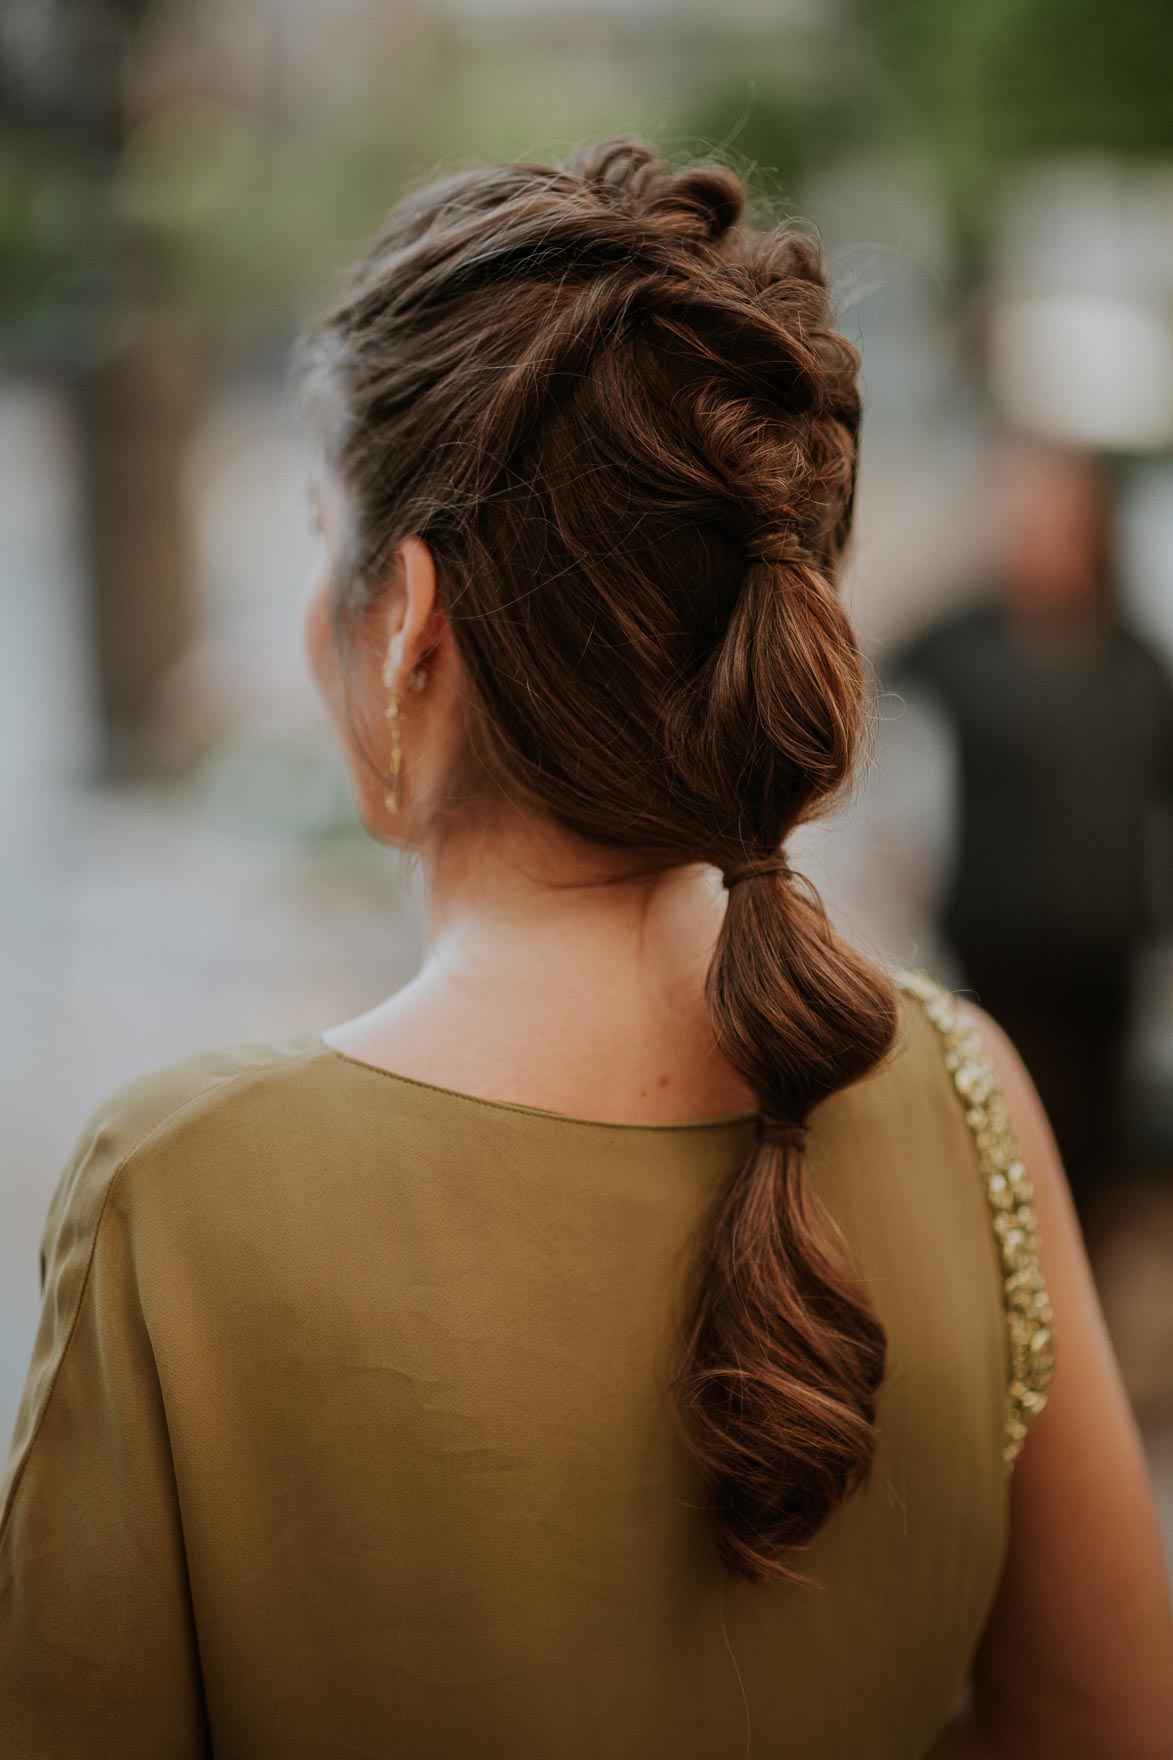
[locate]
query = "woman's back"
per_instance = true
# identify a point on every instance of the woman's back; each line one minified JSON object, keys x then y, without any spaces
{"x":370,"y":1378}
{"x":370,"y":1418}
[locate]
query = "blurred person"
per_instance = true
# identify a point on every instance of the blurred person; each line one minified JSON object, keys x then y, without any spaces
{"x":634,"y":1335}
{"x":1063,"y":721}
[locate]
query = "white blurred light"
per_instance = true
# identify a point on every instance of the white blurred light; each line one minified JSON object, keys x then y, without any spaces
{"x":1088,"y":370}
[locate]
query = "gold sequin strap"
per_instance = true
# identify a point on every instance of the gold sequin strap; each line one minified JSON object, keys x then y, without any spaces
{"x":1008,"y":1188}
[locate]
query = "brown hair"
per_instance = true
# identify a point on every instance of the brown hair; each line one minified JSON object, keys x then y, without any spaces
{"x":621,"y":420}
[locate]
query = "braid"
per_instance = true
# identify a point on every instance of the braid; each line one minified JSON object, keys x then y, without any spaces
{"x":625,"y":426}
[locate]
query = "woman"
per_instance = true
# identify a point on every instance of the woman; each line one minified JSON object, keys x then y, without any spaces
{"x":633,"y":1337}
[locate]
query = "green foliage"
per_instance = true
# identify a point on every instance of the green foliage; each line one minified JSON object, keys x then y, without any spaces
{"x":235,"y":213}
{"x":987,"y":84}
{"x":55,"y":264}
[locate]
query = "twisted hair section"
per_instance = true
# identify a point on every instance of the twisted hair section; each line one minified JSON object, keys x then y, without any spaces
{"x":623,"y":421}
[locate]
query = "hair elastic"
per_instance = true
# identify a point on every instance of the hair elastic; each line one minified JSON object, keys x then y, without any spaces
{"x":769,"y":868}
{"x":776,"y":549}
{"x":780,"y":1133}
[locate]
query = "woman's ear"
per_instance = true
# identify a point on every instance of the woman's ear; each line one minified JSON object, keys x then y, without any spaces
{"x":415,"y":623}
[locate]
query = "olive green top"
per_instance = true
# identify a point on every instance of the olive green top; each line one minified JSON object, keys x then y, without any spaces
{"x":342,"y":1437}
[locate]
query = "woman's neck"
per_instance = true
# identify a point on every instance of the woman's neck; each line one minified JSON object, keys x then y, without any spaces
{"x":565,"y":979}
{"x":535,"y":898}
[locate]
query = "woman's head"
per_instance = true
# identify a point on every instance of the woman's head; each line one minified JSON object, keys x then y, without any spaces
{"x":588,"y":453}
{"x":624,"y":430}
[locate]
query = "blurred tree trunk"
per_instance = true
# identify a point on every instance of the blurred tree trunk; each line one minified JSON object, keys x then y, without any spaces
{"x":129,"y":365}
{"x":136,"y":409}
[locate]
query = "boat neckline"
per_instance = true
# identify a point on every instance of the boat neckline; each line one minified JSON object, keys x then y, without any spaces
{"x":723,"y":1121}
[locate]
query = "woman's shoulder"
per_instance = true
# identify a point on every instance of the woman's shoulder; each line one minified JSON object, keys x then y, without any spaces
{"x":193,"y":1090}
{"x":143,"y":1119}
{"x":930,"y":1062}
{"x":939,"y":1043}
{"x":201,"y":1080}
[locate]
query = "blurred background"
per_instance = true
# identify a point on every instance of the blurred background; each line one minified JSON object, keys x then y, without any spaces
{"x":180,"y":186}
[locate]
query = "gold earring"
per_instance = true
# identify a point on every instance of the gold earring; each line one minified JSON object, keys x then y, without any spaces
{"x":417,"y":679}
{"x":393,"y":795}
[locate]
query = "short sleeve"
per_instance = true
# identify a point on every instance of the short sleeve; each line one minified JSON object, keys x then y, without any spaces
{"x":98,"y":1653}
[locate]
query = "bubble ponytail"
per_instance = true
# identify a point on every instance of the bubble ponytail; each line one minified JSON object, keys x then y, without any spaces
{"x":624,"y":424}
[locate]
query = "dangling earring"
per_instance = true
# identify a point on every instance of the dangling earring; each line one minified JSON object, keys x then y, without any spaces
{"x":416,"y":681}
{"x":393,"y":796}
